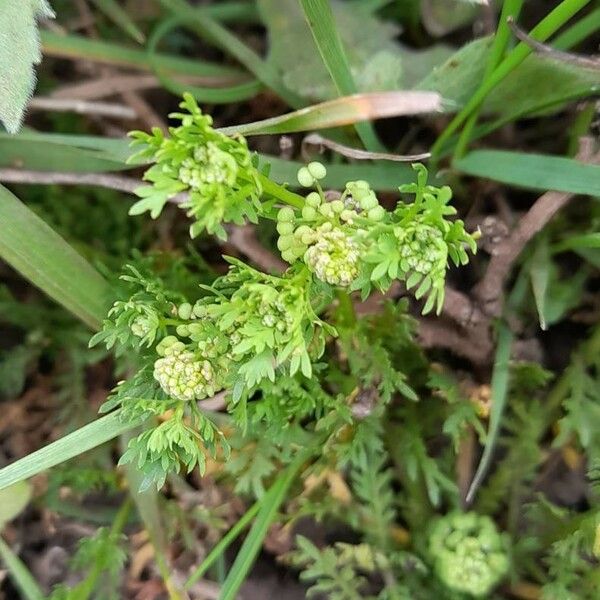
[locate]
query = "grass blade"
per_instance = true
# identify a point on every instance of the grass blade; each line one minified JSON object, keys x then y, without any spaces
{"x":212,"y":95}
{"x":19,"y":573}
{"x":533,"y":171}
{"x":499,"y":393}
{"x":223,"y":544}
{"x":43,"y":257}
{"x":75,"y":46}
{"x":87,"y":437}
{"x":510,"y":9}
{"x":322,"y":25}
{"x":207,"y":27}
{"x":346,"y":110}
{"x":541,"y":32}
{"x":120,"y":18}
{"x":270,"y":504}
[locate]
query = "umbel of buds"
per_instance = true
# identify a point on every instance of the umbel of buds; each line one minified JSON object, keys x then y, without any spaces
{"x":469,"y":553}
{"x":352,"y":241}
{"x":182,"y":374}
{"x":211,"y":174}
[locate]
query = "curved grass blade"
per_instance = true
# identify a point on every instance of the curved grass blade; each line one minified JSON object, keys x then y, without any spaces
{"x":346,"y":110}
{"x":207,"y":27}
{"x":270,"y":504}
{"x":36,"y":251}
{"x":212,"y":95}
{"x":533,"y":171}
{"x":19,"y":573}
{"x":120,"y":18}
{"x":499,"y":393}
{"x":76,"y":47}
{"x":322,"y":25}
{"x":87,"y":437}
{"x":223,"y":544}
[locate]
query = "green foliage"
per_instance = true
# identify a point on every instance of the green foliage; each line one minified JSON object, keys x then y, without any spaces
{"x":215,"y":172}
{"x":102,"y":558}
{"x":353,"y":242}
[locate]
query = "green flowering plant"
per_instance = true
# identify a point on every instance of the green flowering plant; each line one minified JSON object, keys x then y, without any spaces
{"x":212,"y":175}
{"x":351,"y":241}
{"x":468,"y":552}
{"x":247,"y":330}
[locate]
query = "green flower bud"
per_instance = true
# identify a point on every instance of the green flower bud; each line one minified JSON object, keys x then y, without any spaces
{"x":185,"y":376}
{"x":288,"y":256}
{"x":309,"y":213}
{"x":305,"y":178}
{"x":185,"y":311}
{"x":285,"y":227}
{"x":182,"y":330}
{"x":165,"y":344}
{"x":286,"y":214}
{"x":348,"y":215}
{"x":376,"y":213}
{"x":285,"y":242}
{"x":326,"y":210}
{"x":313,"y":199}
{"x":369,"y":201}
{"x":317,"y":170}
{"x":337,"y":206}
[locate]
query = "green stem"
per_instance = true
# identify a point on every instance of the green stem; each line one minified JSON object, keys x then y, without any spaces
{"x":346,"y":312}
{"x":281,"y":193}
{"x":541,"y":32}
{"x":510,"y":9}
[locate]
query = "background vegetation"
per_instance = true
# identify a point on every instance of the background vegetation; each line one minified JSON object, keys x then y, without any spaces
{"x":414,"y":454}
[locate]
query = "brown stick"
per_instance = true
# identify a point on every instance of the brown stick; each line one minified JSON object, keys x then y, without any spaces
{"x":489,"y":291}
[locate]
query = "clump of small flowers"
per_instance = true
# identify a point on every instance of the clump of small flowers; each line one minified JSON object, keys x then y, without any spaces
{"x":352,"y":241}
{"x":469,"y":553}
{"x":182,"y":374}
{"x":210,"y":174}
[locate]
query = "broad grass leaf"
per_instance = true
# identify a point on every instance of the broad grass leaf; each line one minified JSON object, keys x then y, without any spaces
{"x":549,"y":83}
{"x":377,"y":61}
{"x":19,"y":52}
{"x":13,"y":501}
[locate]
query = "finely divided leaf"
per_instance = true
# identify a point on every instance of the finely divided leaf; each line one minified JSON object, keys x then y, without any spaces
{"x":19,"y":52}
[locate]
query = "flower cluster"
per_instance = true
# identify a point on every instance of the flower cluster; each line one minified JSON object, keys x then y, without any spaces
{"x":209,"y":173}
{"x":182,"y":374}
{"x":469,"y":553}
{"x":328,"y":236}
{"x":352,"y":241}
{"x":249,"y":325}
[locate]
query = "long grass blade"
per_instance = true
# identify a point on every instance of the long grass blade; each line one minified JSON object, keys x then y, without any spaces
{"x":209,"y":28}
{"x":499,"y":394}
{"x":87,"y":437}
{"x":223,"y":544}
{"x":120,"y":18}
{"x":34,"y":249}
{"x":270,"y":504}
{"x":322,"y":25}
{"x":213,"y":95}
{"x":541,"y":32}
{"x":533,"y":171}
{"x":76,"y":47}
{"x":510,"y":10}
{"x":19,"y":573}
{"x":346,"y":110}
